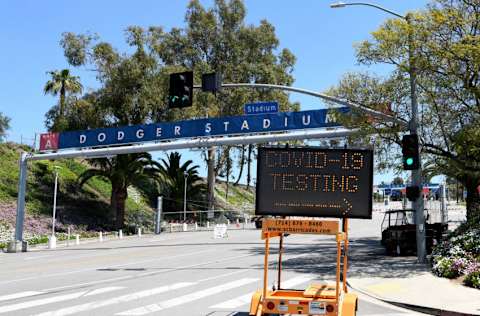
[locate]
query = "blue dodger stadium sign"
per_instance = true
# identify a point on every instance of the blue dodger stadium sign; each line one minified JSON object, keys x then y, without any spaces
{"x":233,"y":125}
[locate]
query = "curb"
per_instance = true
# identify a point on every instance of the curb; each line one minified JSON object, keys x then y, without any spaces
{"x":413,"y":307}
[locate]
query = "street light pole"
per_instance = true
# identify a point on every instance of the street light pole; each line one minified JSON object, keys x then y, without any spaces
{"x":413,"y":126}
{"x":53,"y":240}
{"x":185,"y":175}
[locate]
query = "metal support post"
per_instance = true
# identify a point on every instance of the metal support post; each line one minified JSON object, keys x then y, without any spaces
{"x":444,"y":204}
{"x":22,"y":183}
{"x":280,"y":252}
{"x":416,"y":174}
{"x":158,"y":215}
{"x":185,"y":175}
{"x":17,"y":244}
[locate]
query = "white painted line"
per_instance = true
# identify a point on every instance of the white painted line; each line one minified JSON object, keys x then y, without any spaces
{"x":54,"y":299}
{"x":116,"y":300}
{"x":223,"y":275}
{"x":245,"y":299}
{"x":104,"y":290}
{"x":103,"y":267}
{"x":40,"y":302}
{"x":18,"y":295}
{"x":148,"y":309}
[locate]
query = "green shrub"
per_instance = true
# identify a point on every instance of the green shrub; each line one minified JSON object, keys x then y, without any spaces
{"x":444,"y":267}
{"x":472,"y":280}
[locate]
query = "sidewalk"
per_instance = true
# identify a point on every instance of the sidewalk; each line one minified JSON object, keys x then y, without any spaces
{"x":403,"y":282}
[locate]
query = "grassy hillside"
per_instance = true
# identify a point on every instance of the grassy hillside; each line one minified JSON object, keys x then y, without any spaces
{"x":239,"y":197}
{"x":82,"y":208}
{"x":86,"y":207}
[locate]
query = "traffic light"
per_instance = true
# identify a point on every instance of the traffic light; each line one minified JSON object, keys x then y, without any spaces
{"x":180,"y":93}
{"x":412,"y":192}
{"x":410,"y":152}
{"x":211,"y":82}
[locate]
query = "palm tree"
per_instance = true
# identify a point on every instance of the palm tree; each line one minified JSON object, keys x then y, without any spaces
{"x":62,"y":82}
{"x":173,"y":183}
{"x":122,"y":171}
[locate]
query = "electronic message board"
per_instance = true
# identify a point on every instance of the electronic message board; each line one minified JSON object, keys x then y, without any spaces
{"x":317,"y":182}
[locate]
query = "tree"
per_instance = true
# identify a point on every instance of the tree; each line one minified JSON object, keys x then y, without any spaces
{"x":121,"y":171}
{"x":172,"y":173}
{"x":61,"y":83}
{"x":4,"y":125}
{"x":217,"y":39}
{"x":444,"y":38}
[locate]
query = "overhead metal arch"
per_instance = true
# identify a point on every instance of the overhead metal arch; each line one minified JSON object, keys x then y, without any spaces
{"x":159,"y":146}
{"x":322,"y":96}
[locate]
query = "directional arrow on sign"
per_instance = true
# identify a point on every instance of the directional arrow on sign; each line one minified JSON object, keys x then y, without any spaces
{"x":348,"y":206}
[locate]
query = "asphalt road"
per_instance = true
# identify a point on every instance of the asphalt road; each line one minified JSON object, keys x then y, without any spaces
{"x":170,"y":274}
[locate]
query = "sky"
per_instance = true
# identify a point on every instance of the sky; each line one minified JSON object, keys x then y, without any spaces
{"x":321,"y":38}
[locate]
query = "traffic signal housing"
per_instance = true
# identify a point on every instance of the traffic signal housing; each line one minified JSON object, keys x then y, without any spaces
{"x":412,"y":192}
{"x":211,"y":82}
{"x":180,"y":94}
{"x":410,"y":152}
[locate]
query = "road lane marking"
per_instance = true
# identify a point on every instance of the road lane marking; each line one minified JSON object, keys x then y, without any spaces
{"x":223,"y":275}
{"x":104,"y":290}
{"x":19,"y":295}
{"x":54,"y":299}
{"x":116,"y":300}
{"x":128,"y":277}
{"x":148,"y":309}
{"x":245,"y":299}
{"x":83,"y":307}
{"x":103,"y":267}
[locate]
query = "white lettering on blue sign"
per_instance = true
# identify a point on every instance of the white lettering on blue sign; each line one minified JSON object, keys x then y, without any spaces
{"x":258,"y":123}
{"x":306,"y":120}
{"x":266,"y":123}
{"x":101,"y":137}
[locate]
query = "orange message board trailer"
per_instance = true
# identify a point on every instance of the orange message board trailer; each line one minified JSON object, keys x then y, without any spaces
{"x":318,"y":299}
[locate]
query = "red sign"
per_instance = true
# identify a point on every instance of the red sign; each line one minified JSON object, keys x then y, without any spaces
{"x":49,"y":141}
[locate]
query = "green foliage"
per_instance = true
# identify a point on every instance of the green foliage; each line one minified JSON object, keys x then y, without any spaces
{"x":4,"y":125}
{"x":458,"y":255}
{"x":121,"y":171}
{"x":133,"y":87}
{"x":440,"y":45}
{"x":444,"y":268}
{"x":86,"y":205}
{"x":172,"y":188}
{"x":472,"y":280}
{"x":61,"y":83}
